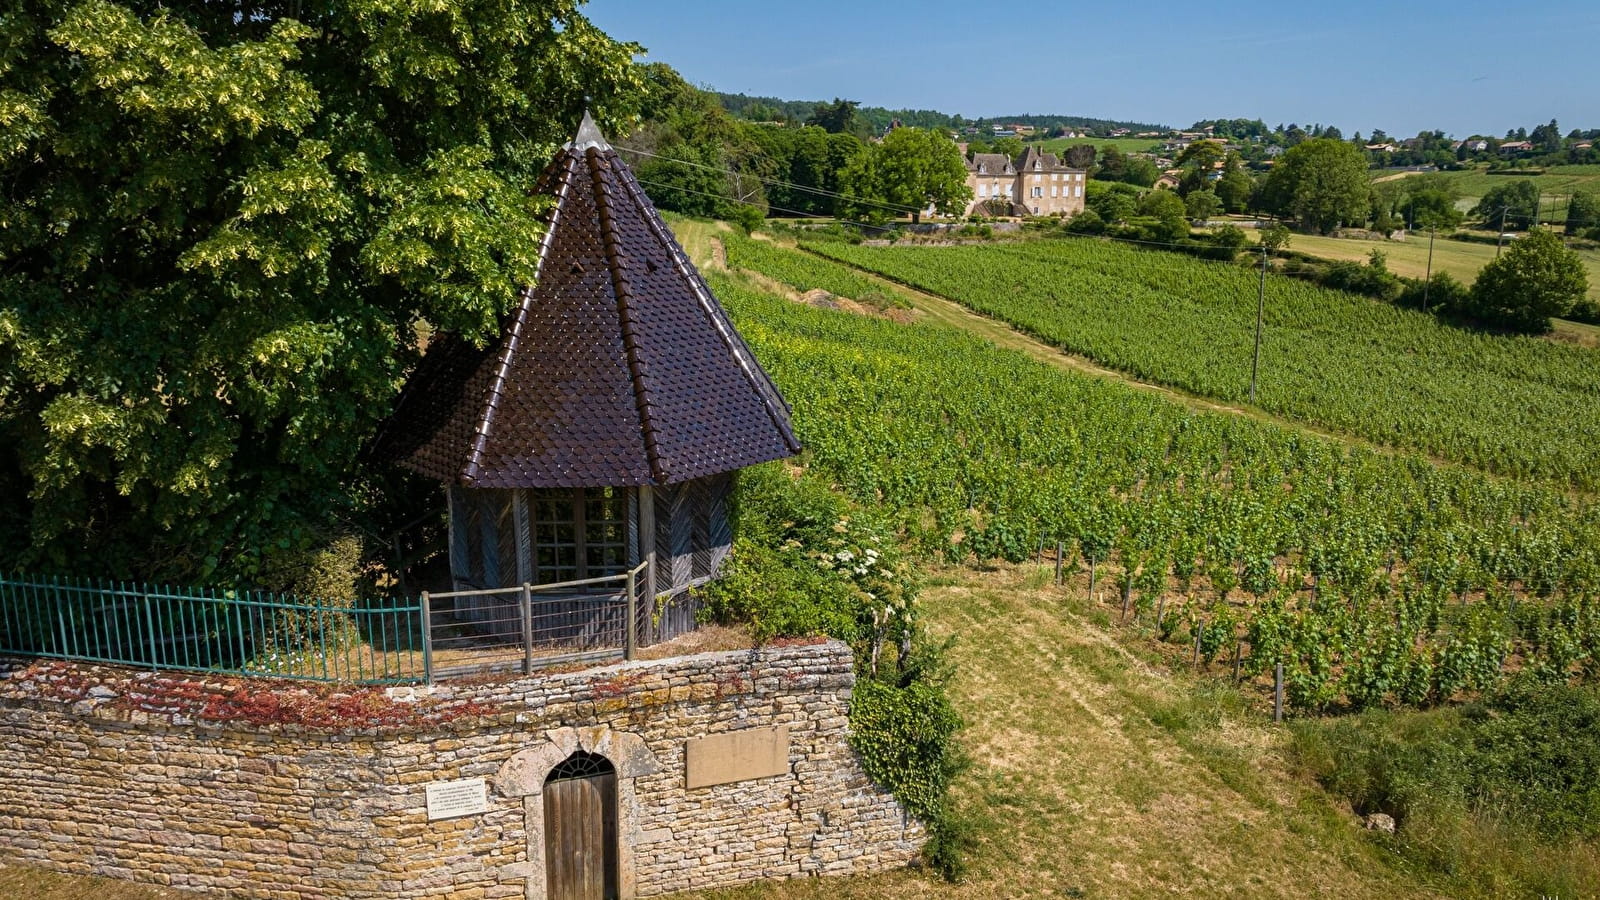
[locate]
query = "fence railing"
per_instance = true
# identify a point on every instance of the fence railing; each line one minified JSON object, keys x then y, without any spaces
{"x":381,"y":641}
{"x":238,"y":632}
{"x":533,"y":625}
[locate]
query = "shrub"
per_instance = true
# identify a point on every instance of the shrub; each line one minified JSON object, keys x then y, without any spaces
{"x":1536,"y":278}
{"x":1493,"y":791}
{"x":1087,"y":221}
{"x":808,"y":561}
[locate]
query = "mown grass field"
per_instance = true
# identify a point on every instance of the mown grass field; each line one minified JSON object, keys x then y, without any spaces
{"x":1126,"y":145}
{"x":1461,"y":259}
{"x":1555,"y":181}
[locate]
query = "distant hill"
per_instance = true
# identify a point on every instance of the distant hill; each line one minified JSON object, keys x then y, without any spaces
{"x":759,"y":109}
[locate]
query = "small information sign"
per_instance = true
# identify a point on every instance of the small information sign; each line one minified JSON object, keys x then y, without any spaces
{"x":450,"y":799}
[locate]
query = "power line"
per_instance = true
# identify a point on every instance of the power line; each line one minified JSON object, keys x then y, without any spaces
{"x":773,"y":181}
{"x":798,"y":212}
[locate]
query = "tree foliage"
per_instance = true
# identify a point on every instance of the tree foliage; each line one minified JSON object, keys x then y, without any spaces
{"x":1536,"y":278}
{"x":1320,"y":182}
{"x":912,"y":169}
{"x":222,"y":227}
{"x":1512,"y":204}
{"x":1583,"y":212}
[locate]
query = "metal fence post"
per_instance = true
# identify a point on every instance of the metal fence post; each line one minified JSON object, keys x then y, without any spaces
{"x":630,"y":628}
{"x":527,"y":628}
{"x":427,"y":639}
{"x":150,"y":622}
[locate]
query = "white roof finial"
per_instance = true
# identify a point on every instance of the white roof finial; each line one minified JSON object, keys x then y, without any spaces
{"x":588,"y":135}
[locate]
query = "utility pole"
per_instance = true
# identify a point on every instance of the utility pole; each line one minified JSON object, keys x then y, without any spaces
{"x":1428,"y":279}
{"x":1500,"y":239}
{"x":1261,"y":307}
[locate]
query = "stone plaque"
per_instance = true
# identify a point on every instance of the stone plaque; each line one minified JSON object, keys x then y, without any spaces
{"x":450,"y":799}
{"x":737,"y":756}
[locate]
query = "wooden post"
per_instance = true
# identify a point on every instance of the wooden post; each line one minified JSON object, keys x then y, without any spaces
{"x":527,"y":628}
{"x":1127,"y":598}
{"x":1059,"y":553}
{"x":1277,"y":693}
{"x":1091,"y":579}
{"x":1238,"y":657}
{"x":647,"y":539}
{"x":631,"y":628}
{"x":1197,"y":630}
{"x":427,"y":639}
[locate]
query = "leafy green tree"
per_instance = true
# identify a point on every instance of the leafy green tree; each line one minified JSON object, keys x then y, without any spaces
{"x":1322,"y":183}
{"x":1234,"y":188}
{"x":913,"y":169}
{"x":1275,"y":237}
{"x":1202,"y":155}
{"x":222,"y":229}
{"x":1536,"y":278}
{"x":838,"y":117}
{"x":1169,"y":213}
{"x":1429,"y":201}
{"x":1009,"y":147}
{"x":693,"y":157}
{"x":1113,"y":202}
{"x":1141,"y":172}
{"x":1512,"y":204}
{"x":1583,"y":212}
{"x":1202,"y":205}
{"x":1113,"y":164}
{"x":1080,"y":156}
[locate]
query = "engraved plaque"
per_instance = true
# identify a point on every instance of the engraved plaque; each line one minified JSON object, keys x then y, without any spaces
{"x":451,"y":799}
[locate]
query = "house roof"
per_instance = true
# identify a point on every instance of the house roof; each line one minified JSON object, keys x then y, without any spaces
{"x":990,"y":164}
{"x":617,"y":368}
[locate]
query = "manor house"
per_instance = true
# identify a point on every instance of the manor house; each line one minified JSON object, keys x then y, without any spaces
{"x":1033,"y":184}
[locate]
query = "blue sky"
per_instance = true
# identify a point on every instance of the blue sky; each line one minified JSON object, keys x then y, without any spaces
{"x":1464,"y":67}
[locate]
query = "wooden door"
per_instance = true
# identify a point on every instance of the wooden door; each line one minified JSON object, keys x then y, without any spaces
{"x":580,"y":838}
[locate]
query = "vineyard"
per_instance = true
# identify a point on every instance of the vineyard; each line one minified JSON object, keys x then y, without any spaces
{"x":1522,"y":407}
{"x":1374,"y":579}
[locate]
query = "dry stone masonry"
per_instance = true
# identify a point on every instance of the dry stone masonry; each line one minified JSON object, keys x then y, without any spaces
{"x":273,"y":790}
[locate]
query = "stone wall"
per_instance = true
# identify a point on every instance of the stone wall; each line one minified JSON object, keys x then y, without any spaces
{"x":270,"y":789}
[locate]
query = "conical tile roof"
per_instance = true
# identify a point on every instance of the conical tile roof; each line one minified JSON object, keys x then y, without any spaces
{"x":617,"y":368}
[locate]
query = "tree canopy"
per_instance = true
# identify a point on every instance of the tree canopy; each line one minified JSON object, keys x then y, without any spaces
{"x":1320,"y":182}
{"x":224,"y":230}
{"x":1536,"y":278}
{"x":1513,"y":203}
{"x":912,"y":168}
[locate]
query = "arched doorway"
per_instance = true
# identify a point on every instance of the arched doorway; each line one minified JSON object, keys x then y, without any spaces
{"x":580,"y":829}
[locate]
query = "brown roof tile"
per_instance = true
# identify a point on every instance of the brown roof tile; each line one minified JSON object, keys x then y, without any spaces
{"x":617,"y":368}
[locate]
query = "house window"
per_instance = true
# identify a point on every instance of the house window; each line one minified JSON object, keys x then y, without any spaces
{"x":579,"y":533}
{"x":1038,"y":192}
{"x":1077,"y":191}
{"x":1052,"y":190}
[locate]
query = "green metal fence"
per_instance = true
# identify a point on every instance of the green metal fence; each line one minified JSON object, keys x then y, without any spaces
{"x":239,"y":632}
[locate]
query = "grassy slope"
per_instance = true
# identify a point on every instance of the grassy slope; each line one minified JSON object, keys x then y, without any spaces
{"x":1095,"y":774}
